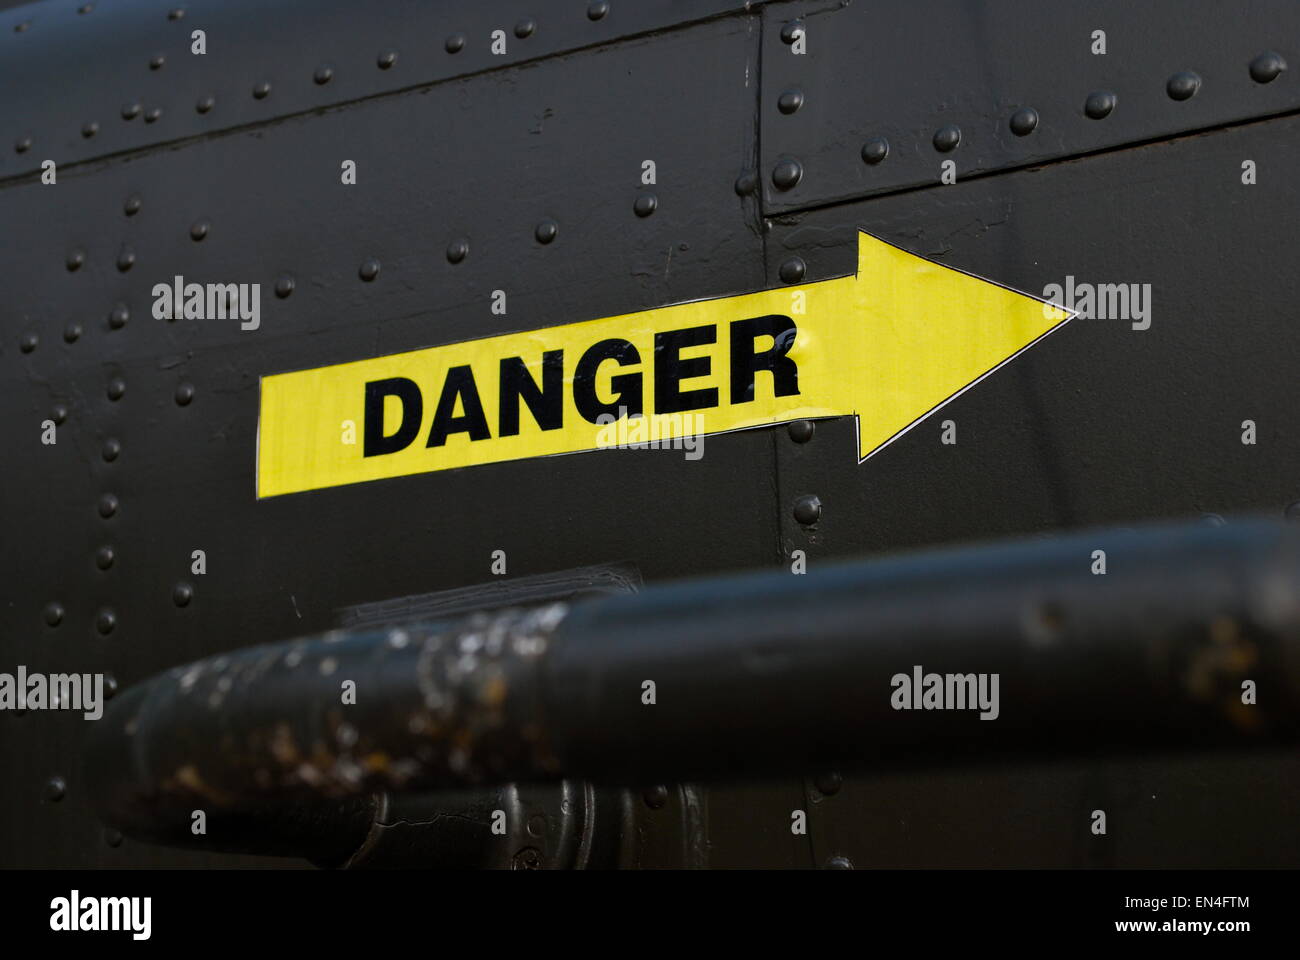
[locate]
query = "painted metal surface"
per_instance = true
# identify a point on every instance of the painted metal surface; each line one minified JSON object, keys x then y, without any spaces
{"x":523,"y":173}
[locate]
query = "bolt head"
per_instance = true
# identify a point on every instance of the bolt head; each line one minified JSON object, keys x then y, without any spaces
{"x":655,"y":797}
{"x":645,"y":204}
{"x":875,"y":150}
{"x":546,"y":231}
{"x":56,"y":788}
{"x":947,"y":138}
{"x":1183,"y":86}
{"x":790,"y":101}
{"x":808,"y":509}
{"x":828,"y":784}
{"x":1024,"y":121}
{"x":787,"y":174}
{"x":1267,"y":67}
{"x":1099,"y":104}
{"x":801,"y":431}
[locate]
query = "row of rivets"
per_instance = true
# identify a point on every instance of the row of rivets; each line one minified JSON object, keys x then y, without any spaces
{"x":1098,"y":105}
{"x":454,"y":44}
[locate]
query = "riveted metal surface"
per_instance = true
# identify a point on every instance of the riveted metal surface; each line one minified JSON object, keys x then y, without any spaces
{"x":1099,"y":423}
{"x":522,"y":173}
{"x":911,"y":73}
{"x":431,"y":172}
{"x":67,"y":72}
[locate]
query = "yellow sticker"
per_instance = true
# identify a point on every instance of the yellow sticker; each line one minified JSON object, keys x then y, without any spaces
{"x":890,"y":345}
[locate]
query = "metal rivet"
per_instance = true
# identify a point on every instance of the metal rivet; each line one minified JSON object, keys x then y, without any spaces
{"x":89,"y":129}
{"x":56,"y":788}
{"x":787,"y":174}
{"x":199,"y":229}
{"x":27,"y":342}
{"x":455,"y":43}
{"x":1292,"y":511}
{"x":529,"y":858}
{"x":792,"y":270}
{"x":104,"y":557}
{"x":457,"y":250}
{"x":284,"y":285}
{"x":132,"y":205}
{"x":71,"y":332}
{"x":546,"y":231}
{"x":107,"y":505}
{"x":156,"y":62}
{"x":536,"y":825}
{"x":125,"y":259}
{"x":131,"y":110}
{"x":205,"y":103}
{"x":22,"y":144}
{"x":946,"y":138}
{"x":839,"y":863}
{"x":262,"y":90}
{"x":801,"y":431}
{"x":875,"y":150}
{"x":1183,"y":86}
{"x":597,"y":10}
{"x":1266,"y":67}
{"x":75,"y":259}
{"x":105,"y":621}
{"x":60,"y":413}
{"x":808,"y":509}
{"x":120,"y":314}
{"x":1024,"y":121}
{"x":152,"y":114}
{"x":53,"y":614}
{"x":369,"y":270}
{"x":645,"y":204}
{"x":791,"y":31}
{"x":525,"y":28}
{"x":110,"y":686}
{"x":182,"y":594}
{"x":387,"y":59}
{"x":655,"y":797}
{"x":112,"y":450}
{"x":829,"y":784}
{"x":184,"y":394}
{"x":746,"y":183}
{"x":116,"y":388}
{"x":323,"y":74}
{"x":113,"y":838}
{"x":176,"y":14}
{"x":790,"y":101}
{"x":1099,"y":104}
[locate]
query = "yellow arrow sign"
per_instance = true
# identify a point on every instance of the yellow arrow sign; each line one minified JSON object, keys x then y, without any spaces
{"x":890,"y":345}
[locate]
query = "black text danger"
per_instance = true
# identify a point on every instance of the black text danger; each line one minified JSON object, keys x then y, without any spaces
{"x":517,"y":389}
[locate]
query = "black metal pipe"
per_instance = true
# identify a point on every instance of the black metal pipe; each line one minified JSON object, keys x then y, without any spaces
{"x":754,"y":674}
